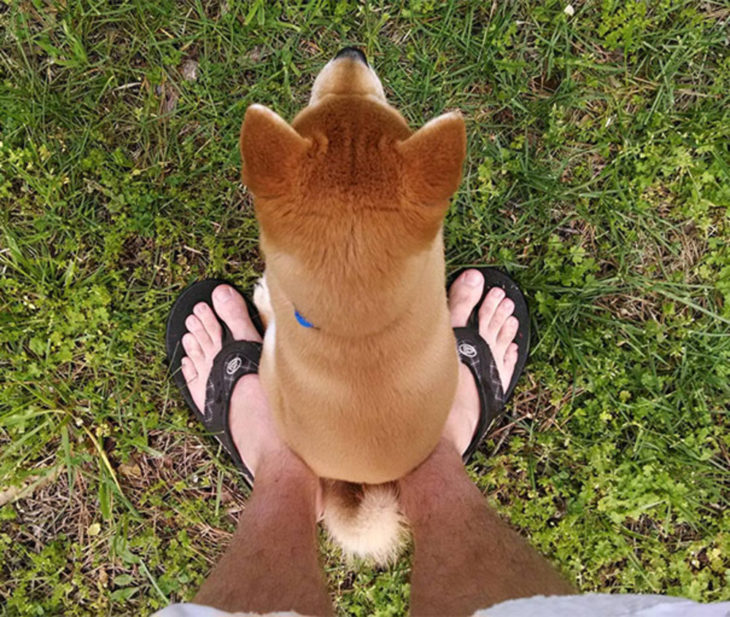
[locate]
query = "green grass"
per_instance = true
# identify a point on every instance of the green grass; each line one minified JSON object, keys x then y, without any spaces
{"x":598,"y":174}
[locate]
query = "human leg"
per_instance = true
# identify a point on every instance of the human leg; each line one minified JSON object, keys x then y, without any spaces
{"x":466,"y":558}
{"x":271,"y":563}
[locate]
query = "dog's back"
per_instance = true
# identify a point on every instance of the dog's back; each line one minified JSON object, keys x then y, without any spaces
{"x":351,"y":205}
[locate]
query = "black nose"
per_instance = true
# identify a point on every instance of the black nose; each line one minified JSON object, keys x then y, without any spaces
{"x":352,"y":52}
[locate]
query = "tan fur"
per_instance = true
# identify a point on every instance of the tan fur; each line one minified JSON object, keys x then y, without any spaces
{"x":351,"y":203}
{"x":365,"y":519}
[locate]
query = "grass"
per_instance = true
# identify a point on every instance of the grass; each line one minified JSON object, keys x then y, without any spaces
{"x":598,"y":174}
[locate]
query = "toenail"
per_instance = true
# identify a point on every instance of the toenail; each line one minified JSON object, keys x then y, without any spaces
{"x":472,"y":278}
{"x":223,"y":293}
{"x":199,"y":308}
{"x":497,"y":293}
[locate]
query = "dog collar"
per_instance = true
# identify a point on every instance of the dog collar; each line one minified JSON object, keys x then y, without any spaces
{"x":302,"y":321}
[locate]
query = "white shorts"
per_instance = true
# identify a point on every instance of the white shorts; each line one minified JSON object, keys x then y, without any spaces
{"x":593,"y":604}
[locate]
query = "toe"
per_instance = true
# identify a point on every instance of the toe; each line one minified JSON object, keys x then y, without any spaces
{"x":211,"y":326}
{"x":508,"y":364}
{"x":196,"y":328}
{"x":490,"y":329}
{"x":188,"y":370}
{"x":231,"y":307}
{"x":463,"y":296}
{"x":192,"y":348}
{"x":489,"y":306}
{"x":507,"y":333}
{"x":194,"y":369}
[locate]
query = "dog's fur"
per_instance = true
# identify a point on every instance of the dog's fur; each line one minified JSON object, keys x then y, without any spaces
{"x":350,"y":204}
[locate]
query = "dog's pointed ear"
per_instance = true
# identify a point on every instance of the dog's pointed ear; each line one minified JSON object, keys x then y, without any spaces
{"x":271,"y":152}
{"x":433,"y":157}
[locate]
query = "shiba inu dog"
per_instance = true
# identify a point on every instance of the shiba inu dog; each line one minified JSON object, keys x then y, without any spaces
{"x":359,"y":361}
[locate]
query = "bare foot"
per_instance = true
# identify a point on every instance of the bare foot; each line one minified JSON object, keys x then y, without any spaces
{"x":498,"y":327}
{"x":249,"y":419}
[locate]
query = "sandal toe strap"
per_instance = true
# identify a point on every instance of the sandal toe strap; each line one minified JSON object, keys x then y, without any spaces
{"x":234,"y":361}
{"x":475,"y":354}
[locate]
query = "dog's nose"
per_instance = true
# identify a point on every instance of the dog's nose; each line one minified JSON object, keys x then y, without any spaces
{"x":352,"y":52}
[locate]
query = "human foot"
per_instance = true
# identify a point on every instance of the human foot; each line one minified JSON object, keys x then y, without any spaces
{"x":249,"y":418}
{"x":498,"y":327}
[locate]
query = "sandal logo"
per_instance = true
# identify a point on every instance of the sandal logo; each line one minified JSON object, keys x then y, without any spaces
{"x":233,"y":365}
{"x":465,"y":349}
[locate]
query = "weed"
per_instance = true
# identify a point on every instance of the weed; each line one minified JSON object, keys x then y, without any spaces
{"x":597,"y":175}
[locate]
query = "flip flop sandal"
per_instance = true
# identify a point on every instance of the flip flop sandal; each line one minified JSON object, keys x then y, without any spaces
{"x":476,"y":355}
{"x":235,"y":360}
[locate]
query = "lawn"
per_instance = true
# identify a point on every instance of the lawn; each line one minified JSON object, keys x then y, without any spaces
{"x":598,"y":174}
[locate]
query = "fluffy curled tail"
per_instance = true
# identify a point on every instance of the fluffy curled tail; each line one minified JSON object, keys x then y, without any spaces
{"x":365,"y":519}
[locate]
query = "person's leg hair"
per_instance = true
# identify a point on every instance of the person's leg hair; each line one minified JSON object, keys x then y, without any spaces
{"x":465,"y":558}
{"x":271,"y":563}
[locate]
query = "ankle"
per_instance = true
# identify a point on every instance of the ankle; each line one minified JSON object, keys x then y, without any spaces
{"x":433,"y":480}
{"x":251,"y":425}
{"x":281,"y":464}
{"x":288,"y":473}
{"x":460,"y":428}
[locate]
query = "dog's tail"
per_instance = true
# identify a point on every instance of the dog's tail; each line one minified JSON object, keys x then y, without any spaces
{"x":365,"y":519}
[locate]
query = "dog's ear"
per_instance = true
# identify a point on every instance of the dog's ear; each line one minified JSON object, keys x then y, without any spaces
{"x":433,"y":157}
{"x":271,"y":152}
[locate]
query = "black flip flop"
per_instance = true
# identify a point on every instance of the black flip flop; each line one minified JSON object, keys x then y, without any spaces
{"x":475,"y":354}
{"x":235,"y":360}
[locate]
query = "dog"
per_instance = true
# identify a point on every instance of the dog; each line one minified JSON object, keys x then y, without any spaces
{"x":359,"y":362}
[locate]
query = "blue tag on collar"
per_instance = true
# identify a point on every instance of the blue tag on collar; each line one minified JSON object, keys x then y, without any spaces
{"x":301,"y":320}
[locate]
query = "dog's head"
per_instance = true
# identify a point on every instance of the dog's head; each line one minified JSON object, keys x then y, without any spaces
{"x":347,"y":196}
